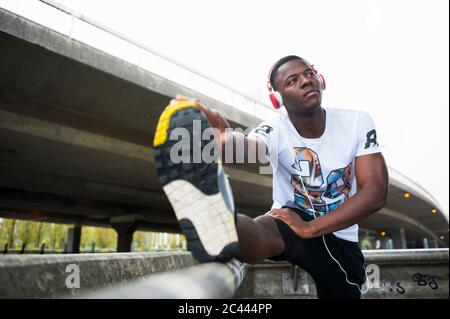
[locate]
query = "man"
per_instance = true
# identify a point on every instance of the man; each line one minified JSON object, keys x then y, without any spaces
{"x":328,"y":175}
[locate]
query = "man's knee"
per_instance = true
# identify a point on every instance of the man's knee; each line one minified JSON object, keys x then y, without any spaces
{"x":272,"y":233}
{"x":259,"y":238}
{"x":269,"y":224}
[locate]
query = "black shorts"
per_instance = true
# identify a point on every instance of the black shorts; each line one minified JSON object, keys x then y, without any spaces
{"x":312,"y":256}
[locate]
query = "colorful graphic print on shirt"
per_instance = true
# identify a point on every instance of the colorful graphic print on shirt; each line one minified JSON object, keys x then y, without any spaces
{"x":326,"y":195}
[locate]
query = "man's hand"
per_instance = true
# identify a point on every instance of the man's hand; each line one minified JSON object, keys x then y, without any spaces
{"x":214,"y":118}
{"x":293,"y":220}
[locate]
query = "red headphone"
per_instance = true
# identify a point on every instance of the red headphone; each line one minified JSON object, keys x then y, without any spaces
{"x":275,"y":96}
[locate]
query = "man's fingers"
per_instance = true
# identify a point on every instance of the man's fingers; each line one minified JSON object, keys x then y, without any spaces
{"x":275,"y":213}
{"x":278,"y":213}
{"x":202,"y":108}
{"x":208,"y":112}
{"x":276,"y":210}
{"x":200,"y":103}
{"x":180,"y":97}
{"x":277,"y":216}
{"x":214,"y":117}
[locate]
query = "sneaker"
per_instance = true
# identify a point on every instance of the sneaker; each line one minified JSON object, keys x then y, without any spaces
{"x":199,"y":192}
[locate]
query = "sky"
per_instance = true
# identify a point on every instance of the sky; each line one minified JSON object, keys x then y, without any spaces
{"x":387,"y":57}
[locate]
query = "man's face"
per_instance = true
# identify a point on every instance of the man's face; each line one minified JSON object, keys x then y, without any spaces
{"x":299,"y":87}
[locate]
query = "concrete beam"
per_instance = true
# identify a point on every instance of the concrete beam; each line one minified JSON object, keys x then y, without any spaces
{"x":45,"y":276}
{"x":68,"y":135}
{"x":408,"y":220}
{"x":67,"y":47}
{"x":84,"y":139}
{"x":74,"y":239}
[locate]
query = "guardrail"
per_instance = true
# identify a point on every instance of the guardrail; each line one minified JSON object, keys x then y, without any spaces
{"x":119,"y":275}
{"x":206,"y":281}
{"x":421,"y":273}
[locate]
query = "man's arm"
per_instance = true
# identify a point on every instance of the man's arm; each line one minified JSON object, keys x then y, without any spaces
{"x":229,"y":141}
{"x":372,"y":178}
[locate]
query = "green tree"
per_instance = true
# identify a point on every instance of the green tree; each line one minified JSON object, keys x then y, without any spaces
{"x":39,"y":235}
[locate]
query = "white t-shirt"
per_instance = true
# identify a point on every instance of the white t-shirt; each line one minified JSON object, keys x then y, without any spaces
{"x":325,"y":164}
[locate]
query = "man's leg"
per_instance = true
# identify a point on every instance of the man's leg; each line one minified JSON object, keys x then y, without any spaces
{"x":259,"y":238}
{"x":200,"y":194}
{"x":312,"y":255}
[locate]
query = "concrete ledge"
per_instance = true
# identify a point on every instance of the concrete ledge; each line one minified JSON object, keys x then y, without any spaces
{"x":44,"y":276}
{"x":205,"y":281}
{"x":403,"y":274}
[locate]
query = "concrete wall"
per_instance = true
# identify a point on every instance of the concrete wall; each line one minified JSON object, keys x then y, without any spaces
{"x":402,"y":274}
{"x":45,"y":276}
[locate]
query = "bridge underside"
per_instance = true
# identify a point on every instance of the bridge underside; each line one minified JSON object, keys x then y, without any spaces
{"x":76,"y":128}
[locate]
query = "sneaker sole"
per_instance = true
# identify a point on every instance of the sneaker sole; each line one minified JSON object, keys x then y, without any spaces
{"x":193,"y":189}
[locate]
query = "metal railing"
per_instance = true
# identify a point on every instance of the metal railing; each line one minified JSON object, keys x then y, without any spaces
{"x":205,"y":281}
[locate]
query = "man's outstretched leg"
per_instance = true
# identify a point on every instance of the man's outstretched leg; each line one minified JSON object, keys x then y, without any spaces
{"x":259,"y":239}
{"x":198,"y":190}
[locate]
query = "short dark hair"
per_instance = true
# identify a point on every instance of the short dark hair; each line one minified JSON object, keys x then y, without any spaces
{"x":278,"y":64}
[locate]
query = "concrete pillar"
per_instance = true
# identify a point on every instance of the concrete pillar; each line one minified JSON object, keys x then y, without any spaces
{"x":125,"y":233}
{"x":425,"y":243}
{"x":399,"y":238}
{"x":389,"y":243}
{"x":386,"y":243}
{"x":74,"y":239}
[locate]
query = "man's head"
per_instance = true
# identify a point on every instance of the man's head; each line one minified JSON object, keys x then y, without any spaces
{"x":298,"y":84}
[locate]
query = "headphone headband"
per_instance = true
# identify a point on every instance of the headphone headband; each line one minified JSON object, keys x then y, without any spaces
{"x":269,"y":82}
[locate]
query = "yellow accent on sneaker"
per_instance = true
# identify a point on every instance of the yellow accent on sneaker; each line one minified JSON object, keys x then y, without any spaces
{"x":164,"y":120}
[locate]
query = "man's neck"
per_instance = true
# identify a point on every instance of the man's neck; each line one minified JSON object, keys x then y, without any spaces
{"x":309,"y":125}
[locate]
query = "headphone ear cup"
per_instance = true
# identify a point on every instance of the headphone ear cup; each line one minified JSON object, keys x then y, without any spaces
{"x":276,"y":99}
{"x":279,"y":98}
{"x":323,"y":84}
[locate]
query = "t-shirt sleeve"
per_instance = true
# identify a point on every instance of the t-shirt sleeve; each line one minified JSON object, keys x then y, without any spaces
{"x":367,"y":136}
{"x":265,"y":133}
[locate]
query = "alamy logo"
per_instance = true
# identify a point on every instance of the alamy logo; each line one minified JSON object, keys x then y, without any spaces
{"x":73,"y":279}
{"x":373,"y":276}
{"x":202,"y":146}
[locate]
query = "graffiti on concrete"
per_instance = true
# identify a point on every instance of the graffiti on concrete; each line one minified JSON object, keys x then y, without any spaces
{"x":426,"y":280}
{"x":397,"y":287}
